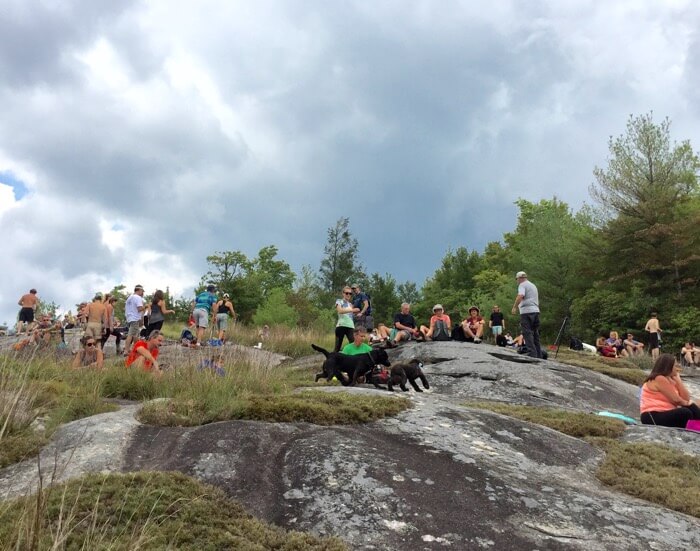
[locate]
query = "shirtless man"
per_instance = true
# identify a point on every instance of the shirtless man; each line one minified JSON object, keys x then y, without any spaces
{"x":96,"y":320}
{"x":28,"y":304}
{"x":654,"y":330}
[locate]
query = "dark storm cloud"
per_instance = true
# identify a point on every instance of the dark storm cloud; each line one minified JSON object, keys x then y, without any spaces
{"x":35,"y":36}
{"x":231,"y":126}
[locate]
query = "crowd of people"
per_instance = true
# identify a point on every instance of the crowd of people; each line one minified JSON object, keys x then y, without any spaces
{"x":354,"y":310}
{"x":96,"y":322}
{"x":664,"y":399}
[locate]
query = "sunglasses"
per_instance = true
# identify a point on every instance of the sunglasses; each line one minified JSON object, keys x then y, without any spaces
{"x":90,"y":344}
{"x":347,"y":292}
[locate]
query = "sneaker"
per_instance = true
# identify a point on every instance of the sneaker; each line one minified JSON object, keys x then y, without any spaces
{"x":477,"y":340}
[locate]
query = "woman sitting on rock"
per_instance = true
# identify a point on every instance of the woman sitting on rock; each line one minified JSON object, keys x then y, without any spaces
{"x":89,"y":355}
{"x":665,"y":400}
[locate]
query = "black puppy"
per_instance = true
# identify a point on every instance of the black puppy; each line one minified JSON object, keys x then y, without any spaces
{"x":348,"y":368}
{"x":410,"y":371}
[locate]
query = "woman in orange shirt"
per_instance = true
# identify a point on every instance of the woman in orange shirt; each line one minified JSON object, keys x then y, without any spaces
{"x":665,"y":400}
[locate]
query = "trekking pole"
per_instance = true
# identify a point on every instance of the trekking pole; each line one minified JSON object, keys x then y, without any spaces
{"x":557,"y":341}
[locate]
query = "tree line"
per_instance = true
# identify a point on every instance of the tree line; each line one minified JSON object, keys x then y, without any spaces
{"x":634,"y":250}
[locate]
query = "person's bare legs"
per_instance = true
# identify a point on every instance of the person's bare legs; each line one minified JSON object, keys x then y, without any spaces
{"x":467,"y":331}
{"x":425,"y":330}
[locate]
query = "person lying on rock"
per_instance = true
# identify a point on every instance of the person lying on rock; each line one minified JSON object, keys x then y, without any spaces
{"x":665,"y":400}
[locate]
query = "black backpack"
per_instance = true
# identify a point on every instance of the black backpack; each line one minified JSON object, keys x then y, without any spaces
{"x":575,"y":343}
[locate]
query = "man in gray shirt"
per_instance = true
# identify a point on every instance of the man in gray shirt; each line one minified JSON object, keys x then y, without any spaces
{"x":527,"y":302}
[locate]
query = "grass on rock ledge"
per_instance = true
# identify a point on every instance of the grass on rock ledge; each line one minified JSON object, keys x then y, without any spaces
{"x":630,"y":370}
{"x":142,"y":510}
{"x":657,"y":473}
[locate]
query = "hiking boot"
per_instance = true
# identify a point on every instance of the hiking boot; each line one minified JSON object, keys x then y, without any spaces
{"x":477,"y":340}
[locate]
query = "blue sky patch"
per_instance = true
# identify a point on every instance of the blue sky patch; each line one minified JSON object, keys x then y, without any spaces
{"x":7,"y":178}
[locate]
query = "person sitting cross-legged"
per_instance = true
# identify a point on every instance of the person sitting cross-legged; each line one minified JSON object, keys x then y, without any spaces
{"x":633,"y":347}
{"x":144,"y":354}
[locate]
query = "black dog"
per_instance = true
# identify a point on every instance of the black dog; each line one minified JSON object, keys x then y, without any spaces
{"x":348,"y":368}
{"x":410,"y":371}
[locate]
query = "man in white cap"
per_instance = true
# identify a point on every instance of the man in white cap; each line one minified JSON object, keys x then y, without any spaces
{"x":528,"y":303}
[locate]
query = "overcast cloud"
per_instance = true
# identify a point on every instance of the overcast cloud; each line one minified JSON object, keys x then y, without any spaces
{"x":136,"y":138}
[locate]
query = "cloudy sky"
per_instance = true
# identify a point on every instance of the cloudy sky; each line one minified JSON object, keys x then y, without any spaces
{"x":136,"y":138}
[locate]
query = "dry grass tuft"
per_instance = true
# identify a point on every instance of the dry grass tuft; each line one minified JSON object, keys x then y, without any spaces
{"x":142,"y":510}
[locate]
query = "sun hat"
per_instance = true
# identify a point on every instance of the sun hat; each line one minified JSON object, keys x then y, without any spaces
{"x":474,"y":308}
{"x":437,"y":307}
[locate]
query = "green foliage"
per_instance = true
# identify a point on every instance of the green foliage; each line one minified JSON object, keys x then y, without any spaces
{"x":276,"y":311}
{"x":142,"y":510}
{"x":549,"y":244}
{"x":650,"y":193}
{"x":340,"y":264}
{"x":384,"y":297}
{"x":602,"y":309}
{"x":248,"y":282}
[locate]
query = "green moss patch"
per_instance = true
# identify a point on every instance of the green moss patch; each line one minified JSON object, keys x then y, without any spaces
{"x":143,"y":510}
{"x":617,"y":368}
{"x":653,"y":472}
{"x":320,"y":408}
{"x":578,"y":425}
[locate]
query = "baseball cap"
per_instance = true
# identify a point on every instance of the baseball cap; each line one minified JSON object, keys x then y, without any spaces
{"x":520,"y":274}
{"x":354,"y":286}
{"x":211,"y":288}
{"x":138,"y":288}
{"x":437,"y":307}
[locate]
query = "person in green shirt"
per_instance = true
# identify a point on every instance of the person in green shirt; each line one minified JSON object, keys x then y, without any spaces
{"x":358,"y":345}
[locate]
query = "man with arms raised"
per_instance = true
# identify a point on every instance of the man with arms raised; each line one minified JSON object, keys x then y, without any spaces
{"x":527,"y":301}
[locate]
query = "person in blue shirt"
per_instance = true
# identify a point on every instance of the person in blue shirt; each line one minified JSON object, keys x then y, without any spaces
{"x":202,"y":310}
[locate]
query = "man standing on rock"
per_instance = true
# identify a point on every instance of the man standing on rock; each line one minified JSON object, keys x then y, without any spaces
{"x":652,"y":327}
{"x":133,"y":310}
{"x":527,"y":301}
{"x":28,"y":304}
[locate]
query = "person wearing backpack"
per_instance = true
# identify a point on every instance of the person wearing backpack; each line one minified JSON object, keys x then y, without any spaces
{"x":440,"y":325}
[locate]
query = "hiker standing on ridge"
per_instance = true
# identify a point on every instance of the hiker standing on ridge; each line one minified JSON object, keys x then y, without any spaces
{"x":652,"y":327}
{"x":133,"y":310}
{"x":28,"y":303}
{"x":527,"y":301}
{"x":202,"y":308}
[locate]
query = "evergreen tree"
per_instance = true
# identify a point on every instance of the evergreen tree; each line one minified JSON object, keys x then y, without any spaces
{"x":649,"y":194}
{"x":340,"y":264}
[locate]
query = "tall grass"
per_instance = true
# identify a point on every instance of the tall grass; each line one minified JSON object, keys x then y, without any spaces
{"x":294,"y":343}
